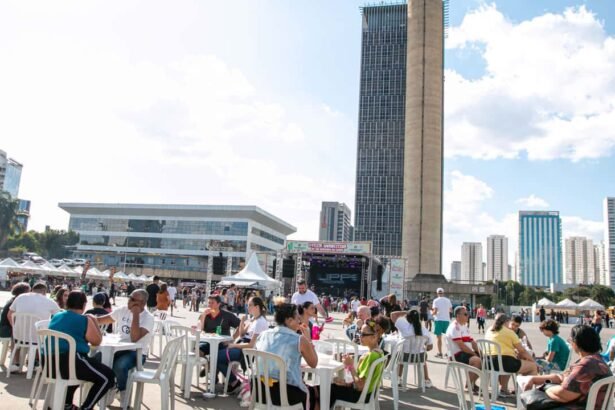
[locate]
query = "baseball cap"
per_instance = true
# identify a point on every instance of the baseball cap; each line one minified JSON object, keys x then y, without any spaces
{"x":440,"y":290}
{"x":99,"y":298}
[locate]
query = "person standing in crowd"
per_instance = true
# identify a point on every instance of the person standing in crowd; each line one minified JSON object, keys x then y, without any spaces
{"x":112,"y":291}
{"x":270,"y":302}
{"x":135,"y":324}
{"x":597,"y":322}
{"x":172,"y":294}
{"x":481,"y":316}
{"x":83,"y":329}
{"x":185,"y":298}
{"x":130,"y":288}
{"x":163,"y":299}
{"x":389,"y":304}
{"x":423,"y":308}
{"x":442,"y":308}
{"x":152,"y":292}
{"x":303,"y":294}
{"x":464,"y":348}
{"x":231,"y":297}
{"x":290,"y":341}
{"x":556,"y":356}
{"x":542,"y":314}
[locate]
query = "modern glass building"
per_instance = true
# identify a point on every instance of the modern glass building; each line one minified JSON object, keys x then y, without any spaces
{"x":380,"y":148}
{"x":173,"y":240}
{"x":23,"y":214}
{"x":335,"y":222}
{"x":540,"y":248}
{"x":10,"y":174}
{"x":609,"y":240}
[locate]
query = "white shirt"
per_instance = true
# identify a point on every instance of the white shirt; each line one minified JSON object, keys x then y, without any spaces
{"x":36,"y":304}
{"x":405,"y":329}
{"x":444,"y":307}
{"x":123,"y":321}
{"x":457,"y":332}
{"x":257,"y":327}
{"x":172,"y":292}
{"x":309,"y":296}
{"x":355,"y":304}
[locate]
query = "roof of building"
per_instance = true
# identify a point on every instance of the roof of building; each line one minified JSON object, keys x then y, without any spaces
{"x":172,"y":210}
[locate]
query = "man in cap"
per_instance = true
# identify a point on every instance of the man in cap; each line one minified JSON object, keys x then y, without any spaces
{"x":442,"y":308}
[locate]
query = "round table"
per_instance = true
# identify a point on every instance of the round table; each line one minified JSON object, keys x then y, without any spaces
{"x":325,"y":370}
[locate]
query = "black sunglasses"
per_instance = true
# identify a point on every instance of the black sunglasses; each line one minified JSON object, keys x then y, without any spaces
{"x":360,"y":334}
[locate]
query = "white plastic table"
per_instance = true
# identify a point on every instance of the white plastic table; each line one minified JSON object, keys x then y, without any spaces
{"x":214,"y":341}
{"x":326,"y":369}
{"x":110,"y":345}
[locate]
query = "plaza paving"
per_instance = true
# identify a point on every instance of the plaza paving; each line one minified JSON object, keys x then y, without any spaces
{"x":14,"y":392}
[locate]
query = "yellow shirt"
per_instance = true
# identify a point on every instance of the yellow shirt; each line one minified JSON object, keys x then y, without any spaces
{"x":506,"y":338}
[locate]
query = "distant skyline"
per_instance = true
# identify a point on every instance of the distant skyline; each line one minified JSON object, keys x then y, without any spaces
{"x":141,"y":102}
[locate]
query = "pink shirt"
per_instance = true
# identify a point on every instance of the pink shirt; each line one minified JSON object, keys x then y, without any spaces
{"x":482,"y":313}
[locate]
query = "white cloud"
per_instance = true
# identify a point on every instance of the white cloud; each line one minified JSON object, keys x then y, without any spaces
{"x":533,"y":201}
{"x":576,"y":226}
{"x":547,"y":91}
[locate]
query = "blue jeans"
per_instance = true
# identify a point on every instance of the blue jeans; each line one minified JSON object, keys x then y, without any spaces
{"x":122,"y":363}
{"x":235,"y":355}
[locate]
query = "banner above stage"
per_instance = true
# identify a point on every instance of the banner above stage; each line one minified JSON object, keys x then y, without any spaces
{"x":329,"y":247}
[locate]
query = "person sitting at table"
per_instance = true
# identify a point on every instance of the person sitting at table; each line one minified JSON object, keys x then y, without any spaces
{"x":212,"y":317}
{"x":510,"y":348}
{"x":409,"y":324}
{"x":556,"y":356}
{"x":284,"y":341}
{"x":573,"y":385}
{"x":363,"y":313}
{"x":515,"y":326}
{"x":6,"y":328}
{"x":61,"y":297}
{"x":350,"y":392}
{"x":84,"y":329}
{"x":135,"y":324}
{"x":98,"y":301}
{"x":245,"y":338}
{"x":307,"y":311}
{"x":463,"y":347}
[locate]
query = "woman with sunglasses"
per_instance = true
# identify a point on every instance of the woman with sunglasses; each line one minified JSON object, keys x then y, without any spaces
{"x":340,"y":390}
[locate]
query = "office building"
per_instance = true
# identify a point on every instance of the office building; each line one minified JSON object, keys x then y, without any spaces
{"x":398,"y":204}
{"x":180,"y":241}
{"x":579,"y":261}
{"x":599,"y":264}
{"x":497,"y":258}
{"x":455,"y":271}
{"x":23,"y":215}
{"x":472,"y":262}
{"x":540,"y":248}
{"x":10,"y":174}
{"x":609,"y":239}
{"x":335,"y":222}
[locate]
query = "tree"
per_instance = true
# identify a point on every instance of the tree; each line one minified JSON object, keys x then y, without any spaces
{"x":527,"y":297}
{"x":577,"y":294}
{"x":49,"y":244}
{"x":27,"y":240}
{"x":8,"y":217}
{"x":602,"y":294}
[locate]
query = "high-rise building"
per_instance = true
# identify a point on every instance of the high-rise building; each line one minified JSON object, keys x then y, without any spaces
{"x":472,"y":262}
{"x":335,"y":222}
{"x":609,"y":239}
{"x":497,"y":258}
{"x":455,"y":271}
{"x":579,"y":261}
{"x":10,"y":174}
{"x":398,"y":204}
{"x":600,"y":265}
{"x":540,"y":248}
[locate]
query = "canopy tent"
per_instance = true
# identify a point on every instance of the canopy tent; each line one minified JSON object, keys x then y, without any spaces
{"x":31,"y":267}
{"x":67,"y":271}
{"x":546,"y":303}
{"x":251,"y":276}
{"x":8,"y":265}
{"x":133,"y":277}
{"x":144,"y":278}
{"x":590,"y":304}
{"x":93,"y":273}
{"x":120,"y":276}
{"x":567,"y":304}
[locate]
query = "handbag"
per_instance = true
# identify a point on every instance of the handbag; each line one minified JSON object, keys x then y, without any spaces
{"x":537,"y":399}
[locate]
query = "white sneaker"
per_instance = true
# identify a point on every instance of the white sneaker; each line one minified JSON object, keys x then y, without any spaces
{"x":428,"y":384}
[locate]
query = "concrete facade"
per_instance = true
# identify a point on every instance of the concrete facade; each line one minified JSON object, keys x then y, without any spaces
{"x":497,"y":258}
{"x":335,"y":222}
{"x":609,"y":240}
{"x":422,"y":197}
{"x":579,"y":261}
{"x":472,"y":262}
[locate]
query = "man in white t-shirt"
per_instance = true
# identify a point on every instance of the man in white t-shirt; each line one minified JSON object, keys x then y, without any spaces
{"x":135,"y":324}
{"x":303,"y":294}
{"x":172,"y":294}
{"x":35,"y":303}
{"x":442,"y":308}
{"x":354,"y":305}
{"x":464,"y":348}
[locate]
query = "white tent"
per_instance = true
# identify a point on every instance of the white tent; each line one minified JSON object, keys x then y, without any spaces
{"x":590,"y":304}
{"x":251,"y":276}
{"x":9,"y":265}
{"x":93,"y":273}
{"x":31,"y":267}
{"x":546,"y":303}
{"x":143,"y":278}
{"x":133,"y":277}
{"x":120,"y":276}
{"x":67,"y":271}
{"x":567,"y":304}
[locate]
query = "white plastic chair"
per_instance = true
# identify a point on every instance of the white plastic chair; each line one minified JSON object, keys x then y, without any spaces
{"x":5,"y":342}
{"x":344,"y":346}
{"x":360,"y":404}
{"x":37,"y":385}
{"x":189,"y":356}
{"x":51,"y":376}
{"x":392,"y":369}
{"x":450,"y":358}
{"x":25,"y":341}
{"x":162,"y":376}
{"x":261,"y":364}
{"x":460,"y":374}
{"x":485,"y":347}
{"x":416,"y":360}
{"x":608,"y":384}
{"x":158,"y":331}
{"x":567,"y":361}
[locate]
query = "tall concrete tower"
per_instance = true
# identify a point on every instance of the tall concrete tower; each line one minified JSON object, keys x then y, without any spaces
{"x":422,"y":195}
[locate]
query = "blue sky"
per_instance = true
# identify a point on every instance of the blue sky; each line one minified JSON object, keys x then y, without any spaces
{"x":255,"y":102}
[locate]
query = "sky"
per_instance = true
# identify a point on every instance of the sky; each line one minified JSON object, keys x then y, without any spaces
{"x":256,"y":102}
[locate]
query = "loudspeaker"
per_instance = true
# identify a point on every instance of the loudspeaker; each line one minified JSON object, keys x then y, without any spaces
{"x":379,"y":273}
{"x":288,"y":268}
{"x":219,"y":265}
{"x":275,"y":265}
